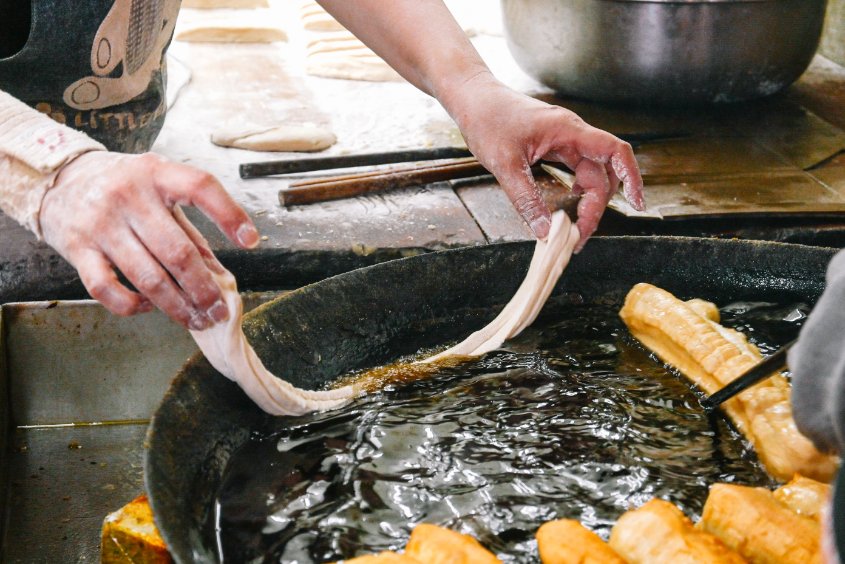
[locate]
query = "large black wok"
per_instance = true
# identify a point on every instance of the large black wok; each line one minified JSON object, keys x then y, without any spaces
{"x":373,"y":315}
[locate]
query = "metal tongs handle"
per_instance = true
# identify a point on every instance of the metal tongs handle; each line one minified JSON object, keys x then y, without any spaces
{"x":768,"y":366}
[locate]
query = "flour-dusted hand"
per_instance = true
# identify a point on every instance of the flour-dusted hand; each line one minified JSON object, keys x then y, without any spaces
{"x":109,"y":210}
{"x":509,"y":132}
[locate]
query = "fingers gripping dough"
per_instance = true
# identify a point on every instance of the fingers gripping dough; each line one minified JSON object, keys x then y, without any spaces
{"x":550,"y":259}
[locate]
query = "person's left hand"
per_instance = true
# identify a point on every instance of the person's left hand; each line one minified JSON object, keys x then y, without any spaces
{"x":508,"y":132}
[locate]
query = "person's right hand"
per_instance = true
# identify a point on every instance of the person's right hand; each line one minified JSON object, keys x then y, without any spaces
{"x":109,"y":210}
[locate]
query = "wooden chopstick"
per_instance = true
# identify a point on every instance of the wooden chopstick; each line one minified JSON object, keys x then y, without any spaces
{"x":349,"y":186}
{"x":380,"y":172}
{"x":270,"y":168}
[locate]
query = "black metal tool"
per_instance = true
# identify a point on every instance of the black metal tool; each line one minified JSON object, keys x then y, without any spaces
{"x":761,"y":371}
{"x":293,"y":166}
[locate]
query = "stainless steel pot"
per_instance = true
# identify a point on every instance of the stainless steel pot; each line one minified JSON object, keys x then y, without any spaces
{"x":664,"y":51}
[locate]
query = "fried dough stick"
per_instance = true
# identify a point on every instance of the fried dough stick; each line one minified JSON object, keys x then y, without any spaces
{"x":687,"y":335}
{"x":567,"y":541}
{"x":658,"y":532}
{"x":755,"y":524}
{"x":430,"y":544}
{"x":804,"y":496}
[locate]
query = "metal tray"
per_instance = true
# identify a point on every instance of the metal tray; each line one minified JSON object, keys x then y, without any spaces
{"x":77,"y":388}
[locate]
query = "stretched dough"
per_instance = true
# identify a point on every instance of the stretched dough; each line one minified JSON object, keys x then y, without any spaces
{"x":226,"y":348}
{"x":299,"y":138}
{"x":227,"y":31}
{"x":550,"y":259}
{"x":210,"y":4}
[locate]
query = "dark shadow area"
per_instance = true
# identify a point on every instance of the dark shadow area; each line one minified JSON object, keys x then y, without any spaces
{"x":15,"y":23}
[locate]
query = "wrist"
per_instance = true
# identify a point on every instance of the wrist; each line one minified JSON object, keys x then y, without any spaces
{"x":463,"y":96}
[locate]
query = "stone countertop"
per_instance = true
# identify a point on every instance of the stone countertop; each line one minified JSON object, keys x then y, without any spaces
{"x":307,"y":243}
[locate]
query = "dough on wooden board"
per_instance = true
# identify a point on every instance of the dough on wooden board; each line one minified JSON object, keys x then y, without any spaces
{"x":212,"y":4}
{"x":293,"y":137}
{"x":231,"y":31}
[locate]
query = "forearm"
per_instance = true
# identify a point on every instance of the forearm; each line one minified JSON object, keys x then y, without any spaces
{"x":420,"y":39}
{"x":33,"y":148}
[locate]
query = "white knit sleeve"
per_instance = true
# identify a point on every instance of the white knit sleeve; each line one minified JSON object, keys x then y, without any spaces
{"x":33,"y":149}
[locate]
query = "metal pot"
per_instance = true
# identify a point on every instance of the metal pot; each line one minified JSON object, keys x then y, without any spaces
{"x":374,"y":315}
{"x":664,"y":51}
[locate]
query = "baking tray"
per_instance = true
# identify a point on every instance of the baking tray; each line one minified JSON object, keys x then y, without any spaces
{"x":77,"y":389}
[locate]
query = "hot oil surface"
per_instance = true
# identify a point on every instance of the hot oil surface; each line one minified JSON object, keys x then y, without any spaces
{"x":573,"y":419}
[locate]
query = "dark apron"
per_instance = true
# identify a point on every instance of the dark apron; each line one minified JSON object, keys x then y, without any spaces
{"x":96,"y":66}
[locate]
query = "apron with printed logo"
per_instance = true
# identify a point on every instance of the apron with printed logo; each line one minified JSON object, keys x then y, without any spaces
{"x":94,"y":65}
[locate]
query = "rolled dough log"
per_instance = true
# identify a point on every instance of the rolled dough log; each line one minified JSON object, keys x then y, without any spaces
{"x":315,"y":18}
{"x":228,"y":31}
{"x":298,"y":138}
{"x":211,"y":4}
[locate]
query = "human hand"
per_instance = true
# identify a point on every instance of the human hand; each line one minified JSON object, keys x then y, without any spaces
{"x":109,"y":210}
{"x":508,"y":132}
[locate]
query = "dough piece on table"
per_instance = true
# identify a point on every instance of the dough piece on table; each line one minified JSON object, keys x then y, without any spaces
{"x":804,"y":496}
{"x":226,"y":348}
{"x":224,"y":4}
{"x":315,"y":18}
{"x":231,"y":31}
{"x":436,"y":545}
{"x":658,"y":532}
{"x":383,"y":558}
{"x":547,"y":264}
{"x":297,"y":138}
{"x":712,"y":356}
{"x":755,"y":524}
{"x":351,"y":67}
{"x":567,"y":541}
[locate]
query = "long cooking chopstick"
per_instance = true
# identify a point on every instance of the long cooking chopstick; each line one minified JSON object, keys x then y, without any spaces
{"x":311,"y":192}
{"x":293,"y":166}
{"x":767,"y":367}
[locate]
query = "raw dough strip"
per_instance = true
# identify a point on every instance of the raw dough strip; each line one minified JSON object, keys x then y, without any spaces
{"x":227,"y":349}
{"x":687,"y":335}
{"x":550,"y":258}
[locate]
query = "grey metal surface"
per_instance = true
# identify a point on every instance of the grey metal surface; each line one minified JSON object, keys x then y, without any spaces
{"x":60,"y":494}
{"x":664,"y":52}
{"x":66,"y":365}
{"x":76,"y":362}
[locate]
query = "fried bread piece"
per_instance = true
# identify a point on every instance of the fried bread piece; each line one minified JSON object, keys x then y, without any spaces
{"x":431,"y":544}
{"x":659,"y":532}
{"x":752,"y":521}
{"x":567,"y":541}
{"x":686,"y":335}
{"x":130,"y":536}
{"x":804,"y":496}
